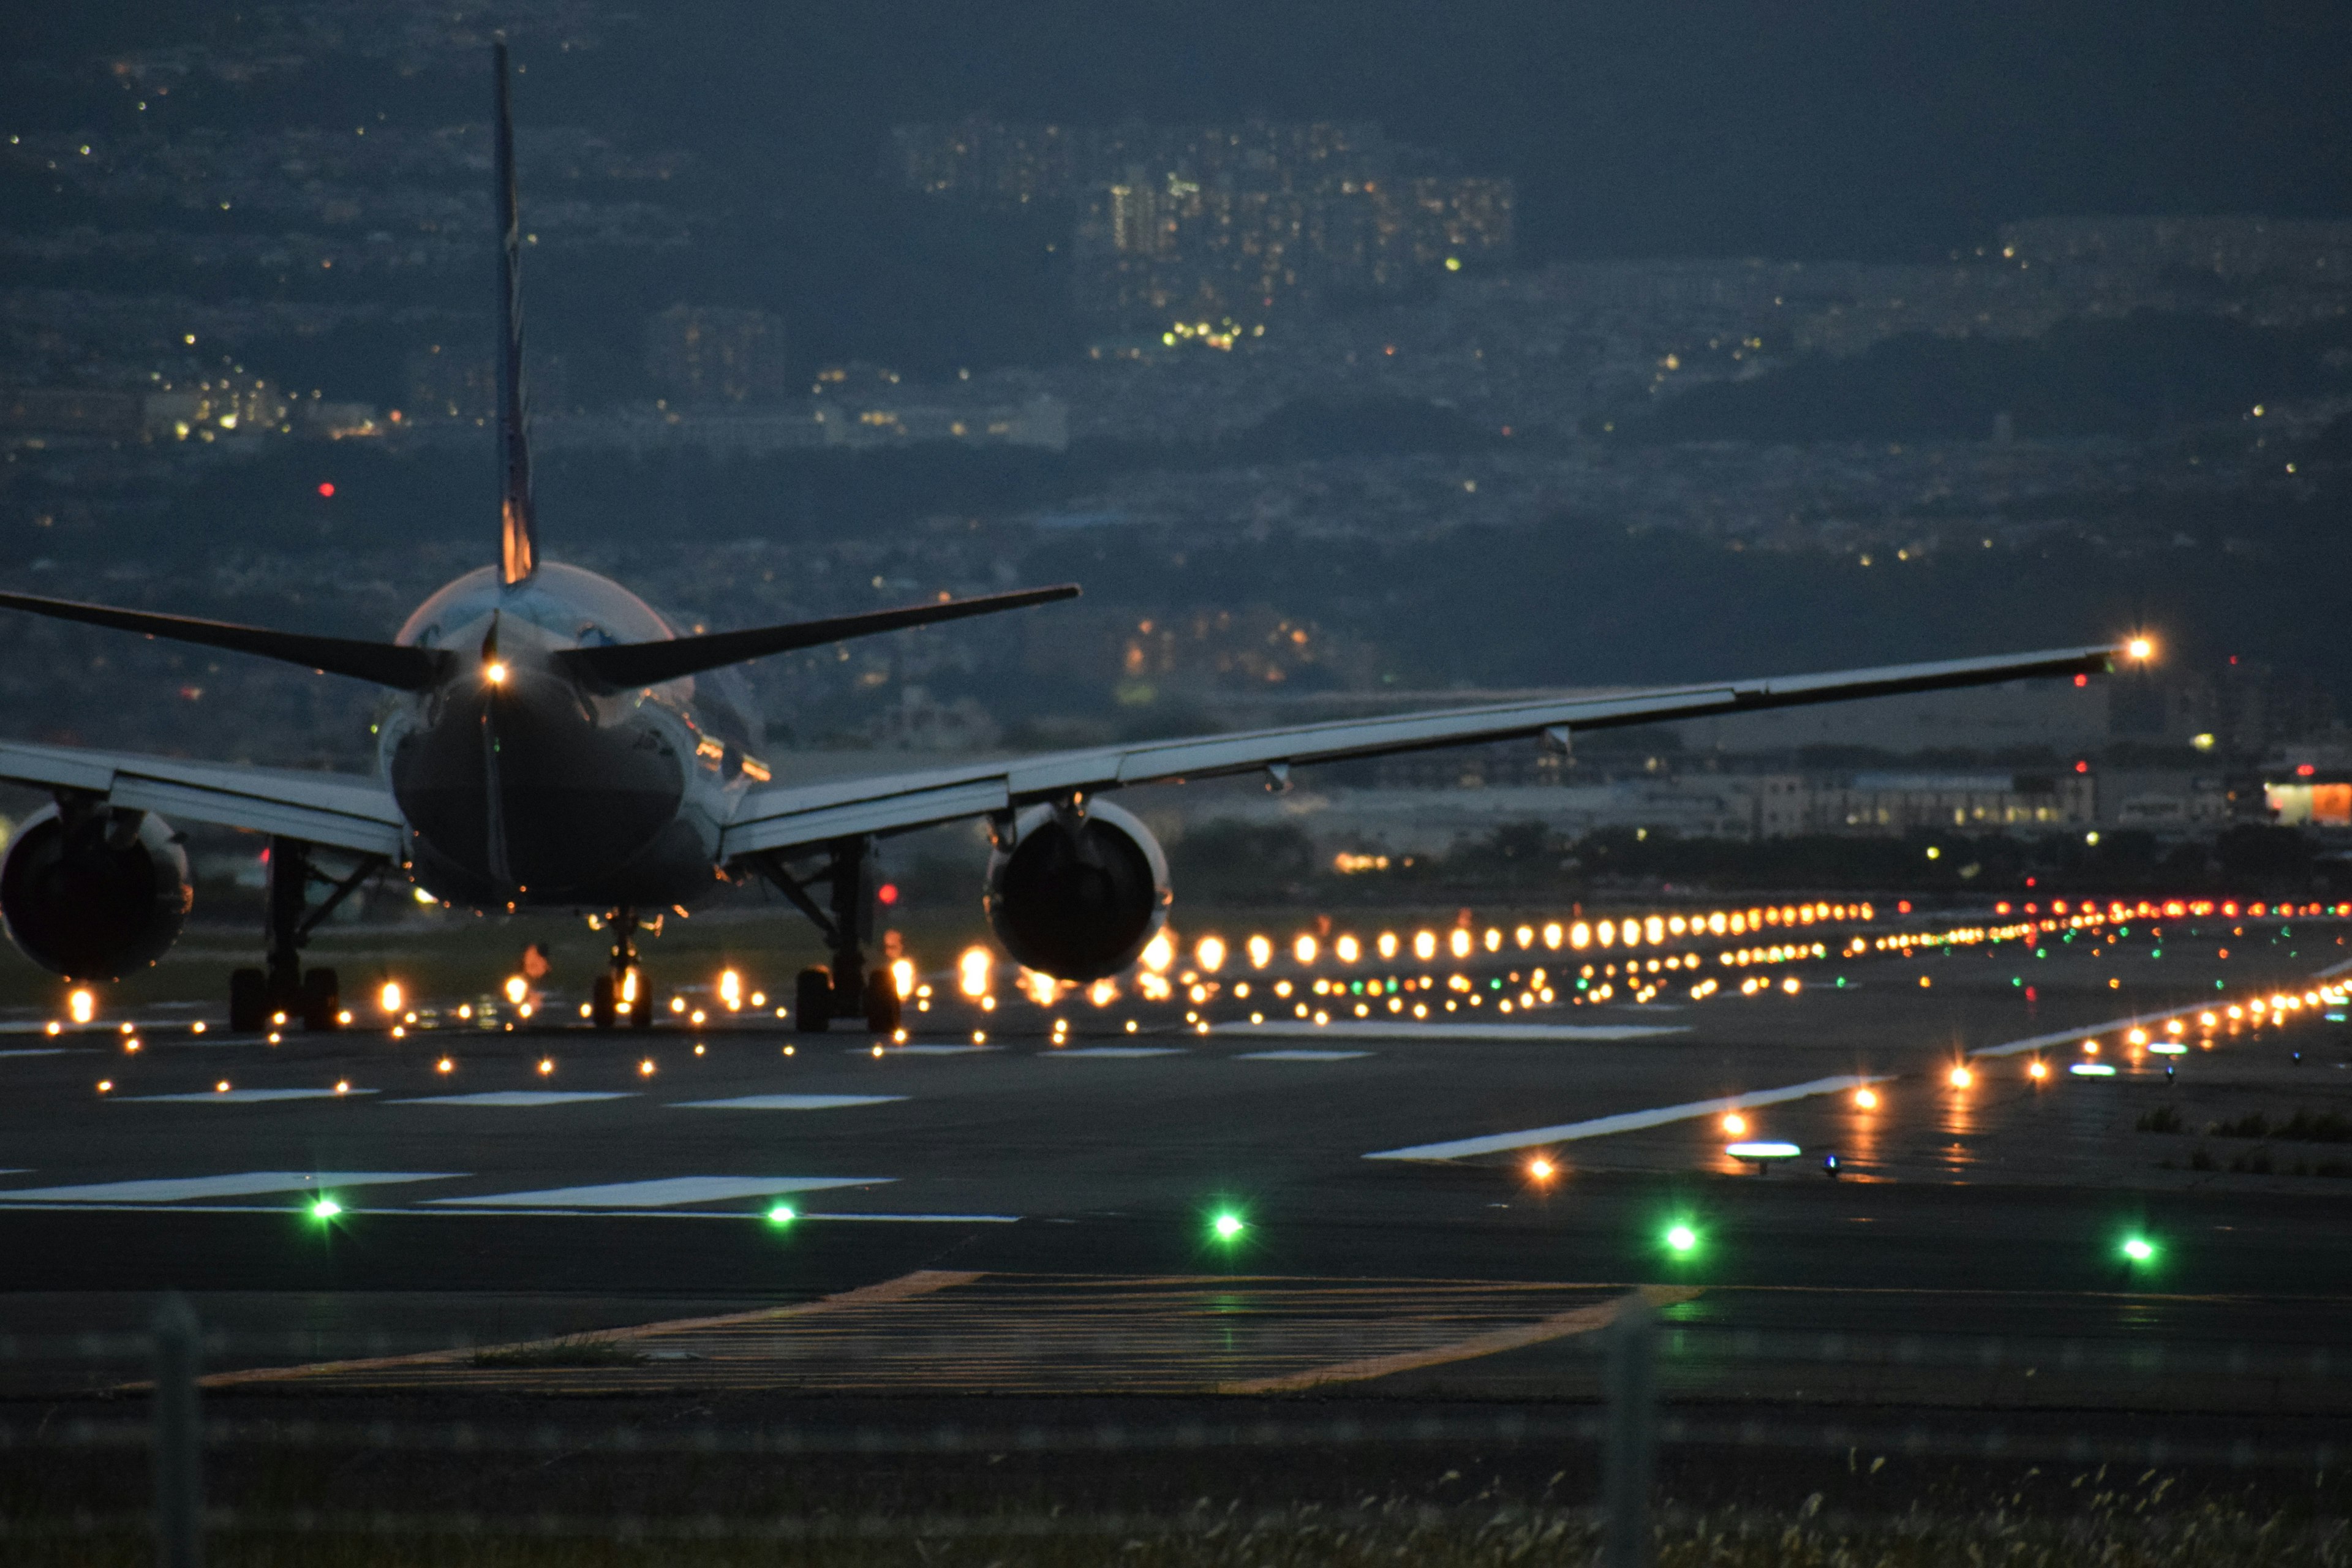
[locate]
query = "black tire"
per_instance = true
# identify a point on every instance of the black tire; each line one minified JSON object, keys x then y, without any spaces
{"x":248,"y":1001}
{"x":812,"y":1002}
{"x":881,"y":1003}
{"x":600,"y":1011}
{"x":323,"y":1000}
{"x":641,"y":1011}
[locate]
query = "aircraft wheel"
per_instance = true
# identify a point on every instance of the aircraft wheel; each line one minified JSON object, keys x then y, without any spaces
{"x":322,"y":999}
{"x":641,"y":1011}
{"x":600,"y":1011}
{"x":812,"y":1001}
{"x":248,"y":1000}
{"x":881,"y":1003}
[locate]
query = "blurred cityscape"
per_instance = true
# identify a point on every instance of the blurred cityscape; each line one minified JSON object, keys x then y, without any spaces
{"x":1313,"y":430}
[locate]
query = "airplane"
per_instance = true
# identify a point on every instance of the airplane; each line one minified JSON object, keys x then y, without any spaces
{"x":546,"y":743}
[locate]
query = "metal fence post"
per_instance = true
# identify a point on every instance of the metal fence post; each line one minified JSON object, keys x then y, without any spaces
{"x":179,"y":1480}
{"x":1633,"y":1392}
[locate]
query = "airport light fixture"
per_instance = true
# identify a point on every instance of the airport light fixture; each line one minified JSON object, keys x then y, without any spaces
{"x":783,"y":1214}
{"x":1681,"y":1238}
{"x":324,"y":1207}
{"x":1227,"y":1226}
{"x":2138,"y":1251}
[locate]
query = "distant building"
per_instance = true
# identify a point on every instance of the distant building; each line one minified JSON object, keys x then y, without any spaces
{"x":1211,"y":224}
{"x":865,"y":405}
{"x":37,"y":414}
{"x":699,"y":355}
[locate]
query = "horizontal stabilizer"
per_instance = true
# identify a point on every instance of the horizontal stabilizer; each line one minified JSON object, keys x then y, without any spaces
{"x":621,"y":666}
{"x":385,"y":663}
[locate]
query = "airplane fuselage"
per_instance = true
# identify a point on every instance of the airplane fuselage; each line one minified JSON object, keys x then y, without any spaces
{"x":522,"y":786}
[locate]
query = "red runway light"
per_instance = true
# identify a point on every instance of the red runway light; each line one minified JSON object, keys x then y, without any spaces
{"x":326,"y":487}
{"x":887,"y":892}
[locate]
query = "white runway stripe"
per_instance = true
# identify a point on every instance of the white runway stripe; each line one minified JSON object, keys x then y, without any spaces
{"x":1625,"y":1122}
{"x":1378,"y":1029}
{"x":786,"y":1102}
{"x":244,"y":1184}
{"x":661,"y":1193}
{"x":1108,"y":1052}
{"x":43,"y":1051}
{"x":922,"y":1050}
{"x":242,"y":1096}
{"x":1299,"y":1055}
{"x":517,"y":1097}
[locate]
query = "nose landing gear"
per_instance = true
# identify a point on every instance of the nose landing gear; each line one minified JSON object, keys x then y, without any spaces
{"x":620,"y":991}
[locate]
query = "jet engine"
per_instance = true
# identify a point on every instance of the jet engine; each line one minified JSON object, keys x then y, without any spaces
{"x":1076,"y":896}
{"x":95,"y":896}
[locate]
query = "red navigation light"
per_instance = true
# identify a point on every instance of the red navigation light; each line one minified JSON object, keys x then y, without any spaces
{"x":887,"y":892}
{"x":2082,"y":767}
{"x":327,"y":487}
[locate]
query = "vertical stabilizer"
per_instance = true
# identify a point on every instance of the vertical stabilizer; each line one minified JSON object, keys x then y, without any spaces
{"x":518,"y":526}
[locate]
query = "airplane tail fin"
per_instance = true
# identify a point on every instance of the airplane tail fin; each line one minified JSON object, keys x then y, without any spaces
{"x":518,"y":523}
{"x":619,"y":667}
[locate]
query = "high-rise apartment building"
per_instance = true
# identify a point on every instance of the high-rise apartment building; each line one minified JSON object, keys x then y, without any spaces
{"x":697,"y":353}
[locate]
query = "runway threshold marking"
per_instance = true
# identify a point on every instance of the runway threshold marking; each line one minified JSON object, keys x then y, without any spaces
{"x":1114,"y":1052}
{"x":663,"y":1192}
{"x":906,"y":1287}
{"x":1560,"y":1325}
{"x":244,"y":1184}
{"x":241,"y":1096}
{"x":1628,"y":1120}
{"x":517,"y":1097}
{"x":786,"y":1102}
{"x":1381,"y":1029}
{"x":1299,"y":1055}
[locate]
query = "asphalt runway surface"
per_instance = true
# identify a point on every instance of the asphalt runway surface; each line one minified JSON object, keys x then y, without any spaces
{"x":496,"y":1185}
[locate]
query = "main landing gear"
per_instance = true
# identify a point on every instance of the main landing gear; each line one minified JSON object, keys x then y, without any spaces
{"x":847,"y":988}
{"x":282,"y":990}
{"x":620,"y":991}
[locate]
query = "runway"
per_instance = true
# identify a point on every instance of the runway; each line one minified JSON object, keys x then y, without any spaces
{"x":337,"y":1181}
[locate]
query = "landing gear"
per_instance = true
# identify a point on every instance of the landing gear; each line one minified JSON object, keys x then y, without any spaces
{"x":846,"y":989}
{"x":280,"y":991}
{"x":812,"y":1001}
{"x":620,"y":991}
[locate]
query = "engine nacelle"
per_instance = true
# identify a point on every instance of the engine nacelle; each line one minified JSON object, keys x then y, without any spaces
{"x":1078,"y":905}
{"x":98,"y":899}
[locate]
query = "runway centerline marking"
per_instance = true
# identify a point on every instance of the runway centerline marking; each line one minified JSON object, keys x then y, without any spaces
{"x":522,"y":1097}
{"x":244,"y":1184}
{"x":786,"y":1102}
{"x":1110,"y":1053}
{"x":1628,"y":1120}
{"x":1383,"y":1029}
{"x":48,"y":1051}
{"x":240,"y":1096}
{"x":1299,"y":1055}
{"x":662,"y":1192}
{"x":920,"y":1050}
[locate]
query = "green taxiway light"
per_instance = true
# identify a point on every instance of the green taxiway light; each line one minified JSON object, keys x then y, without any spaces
{"x":325,"y":1208}
{"x":783,"y":1214}
{"x":1682,"y":1240}
{"x":2139,"y":1249}
{"x":1227,"y":1226}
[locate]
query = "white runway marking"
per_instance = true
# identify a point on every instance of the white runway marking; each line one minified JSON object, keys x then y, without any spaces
{"x":1379,"y":1029}
{"x":786,"y":1102}
{"x":928,"y":1050}
{"x":1117,"y":1052}
{"x":42,"y":1051}
{"x":243,"y":1184}
{"x":242,"y":1096}
{"x":517,"y":1097}
{"x":1299,"y":1055}
{"x":661,"y":1193}
{"x":1625,"y":1122}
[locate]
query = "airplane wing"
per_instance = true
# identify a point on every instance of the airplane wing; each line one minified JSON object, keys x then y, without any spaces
{"x":801,"y":816}
{"x":338,"y":811}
